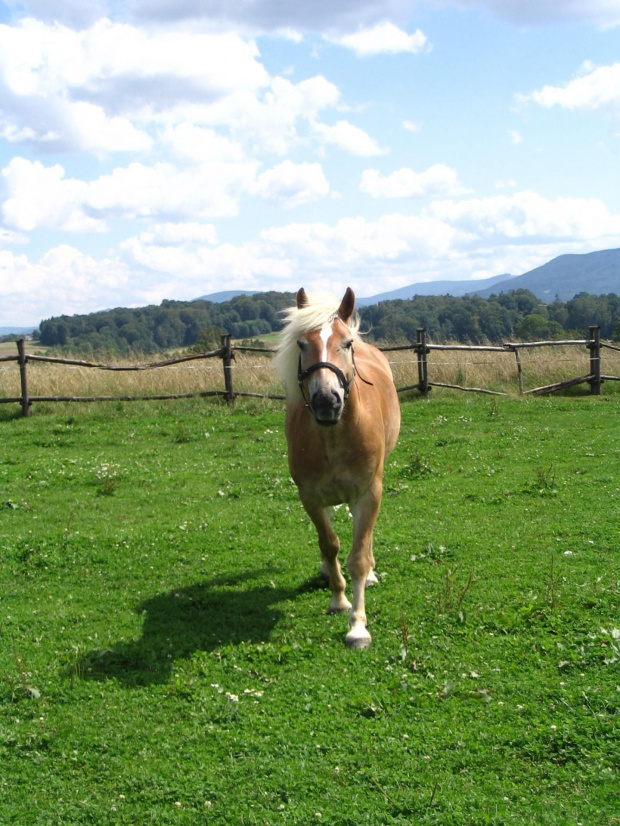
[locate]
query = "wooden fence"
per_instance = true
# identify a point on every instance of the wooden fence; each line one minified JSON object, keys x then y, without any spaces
{"x":594,"y":377}
{"x":226,"y":353}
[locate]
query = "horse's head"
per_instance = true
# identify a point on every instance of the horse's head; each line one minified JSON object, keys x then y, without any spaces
{"x":326,"y":364}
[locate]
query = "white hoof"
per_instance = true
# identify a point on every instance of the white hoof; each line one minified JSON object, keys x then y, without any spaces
{"x":371,"y":579}
{"x":339,"y":604}
{"x":357,"y":638}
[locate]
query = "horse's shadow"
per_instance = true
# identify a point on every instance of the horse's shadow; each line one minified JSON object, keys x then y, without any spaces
{"x":207,"y":616}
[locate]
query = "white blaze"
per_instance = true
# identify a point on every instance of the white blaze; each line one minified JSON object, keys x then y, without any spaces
{"x":326,"y":332}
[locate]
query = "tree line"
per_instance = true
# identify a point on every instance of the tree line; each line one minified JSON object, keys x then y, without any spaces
{"x":518,"y":314}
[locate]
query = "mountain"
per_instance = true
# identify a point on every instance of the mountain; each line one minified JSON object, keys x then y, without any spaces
{"x":597,"y":273}
{"x":225,"y":295}
{"x":16,"y":331}
{"x":453,"y":288}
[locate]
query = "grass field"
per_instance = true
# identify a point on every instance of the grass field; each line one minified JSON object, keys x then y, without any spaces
{"x":166,"y":656}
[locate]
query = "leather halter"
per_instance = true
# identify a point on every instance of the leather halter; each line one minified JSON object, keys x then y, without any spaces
{"x":345,"y":383}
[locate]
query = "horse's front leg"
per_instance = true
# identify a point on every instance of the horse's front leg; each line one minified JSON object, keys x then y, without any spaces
{"x":371,"y":579}
{"x":330,"y":548}
{"x":361,"y":563}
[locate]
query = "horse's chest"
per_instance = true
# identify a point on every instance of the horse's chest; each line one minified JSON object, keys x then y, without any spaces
{"x":331,"y":477}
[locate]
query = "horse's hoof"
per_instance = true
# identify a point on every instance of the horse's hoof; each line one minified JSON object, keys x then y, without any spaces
{"x":371,"y":579}
{"x":358,"y":641}
{"x":338,"y":606}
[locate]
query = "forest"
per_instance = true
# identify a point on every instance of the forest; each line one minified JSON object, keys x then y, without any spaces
{"x":197,"y":325}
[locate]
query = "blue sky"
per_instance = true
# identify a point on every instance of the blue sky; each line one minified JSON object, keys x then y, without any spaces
{"x":157,"y":149}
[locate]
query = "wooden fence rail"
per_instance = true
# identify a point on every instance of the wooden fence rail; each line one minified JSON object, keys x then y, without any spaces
{"x":226,"y":353}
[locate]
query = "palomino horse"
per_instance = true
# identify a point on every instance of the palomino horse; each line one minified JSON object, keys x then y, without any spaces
{"x":342,"y":421}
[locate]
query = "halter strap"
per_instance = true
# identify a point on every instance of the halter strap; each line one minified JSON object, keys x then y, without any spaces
{"x":302,"y":375}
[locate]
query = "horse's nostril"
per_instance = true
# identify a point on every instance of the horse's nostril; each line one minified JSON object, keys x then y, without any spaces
{"x":322,"y":399}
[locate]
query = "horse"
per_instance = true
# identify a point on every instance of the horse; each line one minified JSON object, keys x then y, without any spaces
{"x":342,"y":421}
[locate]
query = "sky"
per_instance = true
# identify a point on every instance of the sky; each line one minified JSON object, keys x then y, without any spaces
{"x":168,"y":149}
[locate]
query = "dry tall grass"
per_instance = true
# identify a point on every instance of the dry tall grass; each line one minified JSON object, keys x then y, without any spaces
{"x":496,"y":370}
{"x":254,"y":373}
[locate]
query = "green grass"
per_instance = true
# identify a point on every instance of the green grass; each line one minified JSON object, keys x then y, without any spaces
{"x":166,"y":655}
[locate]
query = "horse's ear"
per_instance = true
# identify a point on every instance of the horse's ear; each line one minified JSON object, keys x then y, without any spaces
{"x":302,"y":298}
{"x":347,"y":305}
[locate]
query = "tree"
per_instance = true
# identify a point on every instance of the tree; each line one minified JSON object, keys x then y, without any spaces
{"x":535,"y":327}
{"x":209,"y":339}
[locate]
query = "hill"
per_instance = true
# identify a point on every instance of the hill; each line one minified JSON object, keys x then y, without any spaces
{"x":225,"y":295}
{"x":454,"y":288}
{"x":16,"y":331}
{"x":564,"y":277}
{"x":597,"y":273}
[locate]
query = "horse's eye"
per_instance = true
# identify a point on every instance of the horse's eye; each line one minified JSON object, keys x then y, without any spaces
{"x":346,"y":345}
{"x":301,"y":344}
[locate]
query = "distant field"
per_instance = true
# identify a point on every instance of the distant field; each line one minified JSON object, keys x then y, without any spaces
{"x":167,"y":657}
{"x":9,"y":348}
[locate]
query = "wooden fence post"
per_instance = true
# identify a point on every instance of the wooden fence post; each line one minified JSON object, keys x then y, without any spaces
{"x":594,"y":346}
{"x":519,"y":369}
{"x":227,"y":357}
{"x":21,"y":350}
{"x":422,"y":361}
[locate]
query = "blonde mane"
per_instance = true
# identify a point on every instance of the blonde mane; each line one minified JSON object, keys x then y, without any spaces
{"x":320,"y":309}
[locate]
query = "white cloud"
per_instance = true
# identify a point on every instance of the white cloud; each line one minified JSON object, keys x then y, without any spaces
{"x":92,"y":130}
{"x":317,"y":254}
{"x":271,"y":123}
{"x":180,"y":233}
{"x":41,"y":59}
{"x":289,"y":185}
{"x":349,"y":138}
{"x":61,"y":126}
{"x":527,"y":215}
{"x":384,"y":38}
{"x":163,"y":189}
{"x":183,"y":273}
{"x":412,"y":126}
{"x":9,"y":238}
{"x":40,"y":197}
{"x":506,"y":183}
{"x":96,"y":89}
{"x":196,"y":144}
{"x":438,"y":179}
{"x":63,"y":281}
{"x":356,"y":244}
{"x":515,"y":137}
{"x":595,"y":89}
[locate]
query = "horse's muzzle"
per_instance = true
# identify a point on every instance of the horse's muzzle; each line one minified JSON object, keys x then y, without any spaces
{"x":326,"y":408}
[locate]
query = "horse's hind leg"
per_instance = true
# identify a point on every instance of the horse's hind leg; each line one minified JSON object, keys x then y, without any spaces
{"x":330,"y":566}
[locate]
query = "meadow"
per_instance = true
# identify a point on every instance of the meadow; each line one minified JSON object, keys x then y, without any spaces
{"x":166,"y":655}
